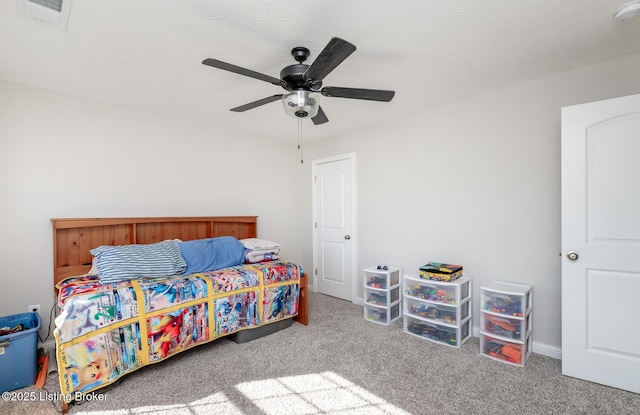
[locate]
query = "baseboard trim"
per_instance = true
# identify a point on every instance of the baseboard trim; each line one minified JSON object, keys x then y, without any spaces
{"x":547,"y":350}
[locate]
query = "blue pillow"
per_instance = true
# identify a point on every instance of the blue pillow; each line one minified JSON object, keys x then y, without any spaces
{"x":211,"y":253}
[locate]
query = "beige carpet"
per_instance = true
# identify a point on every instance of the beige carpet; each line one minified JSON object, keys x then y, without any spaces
{"x":342,"y":364}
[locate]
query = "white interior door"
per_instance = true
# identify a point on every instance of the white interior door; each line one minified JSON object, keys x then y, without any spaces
{"x":334,"y":233}
{"x":601,"y":242}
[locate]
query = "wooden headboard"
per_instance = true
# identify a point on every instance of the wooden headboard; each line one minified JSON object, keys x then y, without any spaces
{"x":74,"y":238}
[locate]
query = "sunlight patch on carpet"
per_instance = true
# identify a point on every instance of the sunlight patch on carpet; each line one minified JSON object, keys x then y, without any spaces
{"x":315,"y":393}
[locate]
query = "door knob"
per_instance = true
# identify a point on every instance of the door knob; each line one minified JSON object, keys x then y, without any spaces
{"x":572,"y":255}
{"x":347,"y":237}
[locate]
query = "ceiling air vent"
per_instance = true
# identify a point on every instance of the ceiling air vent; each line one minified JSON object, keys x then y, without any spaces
{"x":53,"y":12}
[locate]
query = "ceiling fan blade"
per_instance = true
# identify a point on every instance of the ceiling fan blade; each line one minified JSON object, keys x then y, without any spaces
{"x":320,"y":117}
{"x":336,"y":51}
{"x":257,"y":103}
{"x":357,"y":93}
{"x":242,"y":71}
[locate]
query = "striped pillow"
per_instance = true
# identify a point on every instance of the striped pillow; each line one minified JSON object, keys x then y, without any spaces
{"x":127,"y":262}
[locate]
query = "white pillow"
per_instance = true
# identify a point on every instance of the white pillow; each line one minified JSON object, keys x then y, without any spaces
{"x":94,"y":267}
{"x":260,"y":244}
{"x":260,"y":256}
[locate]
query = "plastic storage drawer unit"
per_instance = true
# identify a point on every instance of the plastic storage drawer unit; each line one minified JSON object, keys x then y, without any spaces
{"x":382,"y":294}
{"x":19,"y":351}
{"x":505,"y":322}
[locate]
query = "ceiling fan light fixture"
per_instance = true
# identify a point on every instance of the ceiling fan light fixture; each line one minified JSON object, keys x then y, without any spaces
{"x":300,"y":104}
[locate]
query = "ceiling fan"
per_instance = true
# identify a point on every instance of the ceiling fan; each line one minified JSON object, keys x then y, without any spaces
{"x":304,"y":82}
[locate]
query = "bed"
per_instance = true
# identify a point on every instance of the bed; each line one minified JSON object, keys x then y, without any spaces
{"x":107,"y":329}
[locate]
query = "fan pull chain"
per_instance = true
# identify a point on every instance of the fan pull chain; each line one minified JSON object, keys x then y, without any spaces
{"x":300,"y":139}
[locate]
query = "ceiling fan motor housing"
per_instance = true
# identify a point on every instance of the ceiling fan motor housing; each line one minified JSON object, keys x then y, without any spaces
{"x":293,"y":76}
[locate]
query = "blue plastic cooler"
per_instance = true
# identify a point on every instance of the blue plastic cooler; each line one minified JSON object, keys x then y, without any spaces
{"x":19,"y":352}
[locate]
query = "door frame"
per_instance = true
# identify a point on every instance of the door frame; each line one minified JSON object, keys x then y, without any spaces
{"x":354,"y":222}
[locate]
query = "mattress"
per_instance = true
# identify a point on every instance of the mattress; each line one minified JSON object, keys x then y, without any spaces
{"x":105,"y":331}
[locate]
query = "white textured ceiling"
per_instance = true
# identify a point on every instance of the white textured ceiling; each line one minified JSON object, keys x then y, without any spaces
{"x":147,"y":53}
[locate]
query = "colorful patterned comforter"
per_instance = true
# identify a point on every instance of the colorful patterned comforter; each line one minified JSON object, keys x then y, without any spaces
{"x":105,"y":331}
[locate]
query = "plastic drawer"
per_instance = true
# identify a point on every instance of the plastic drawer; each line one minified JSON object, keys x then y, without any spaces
{"x":515,"y":353}
{"x":505,"y":327}
{"x":375,"y":296}
{"x":438,"y":313}
{"x":512,"y":300}
{"x":381,"y":279}
{"x":438,"y":333}
{"x":382,"y":315}
{"x":453,"y":293}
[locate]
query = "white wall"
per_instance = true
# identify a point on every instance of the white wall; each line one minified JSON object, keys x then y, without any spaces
{"x":475,"y":183}
{"x":62,"y":156}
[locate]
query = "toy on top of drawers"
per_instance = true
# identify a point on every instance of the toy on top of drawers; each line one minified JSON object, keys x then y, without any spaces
{"x":439,"y":271}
